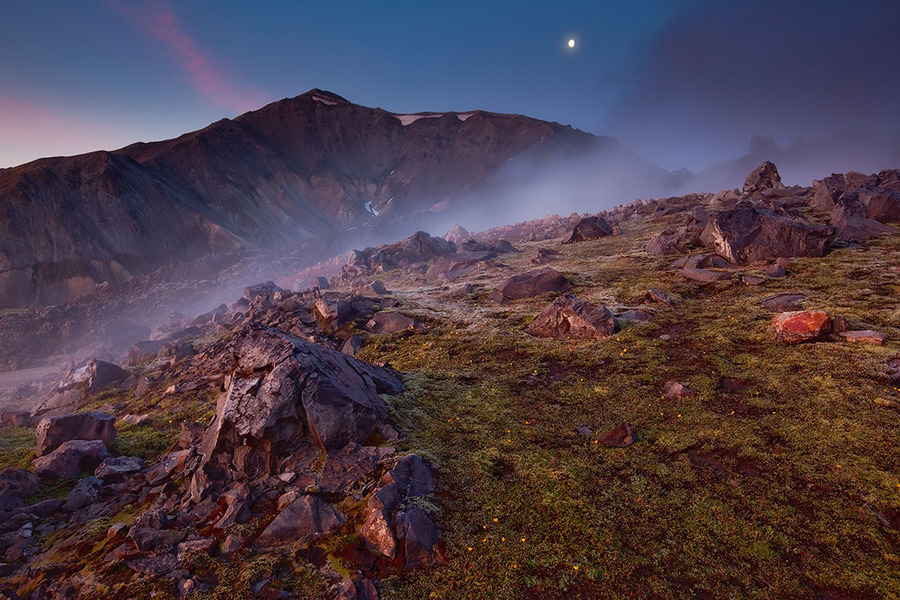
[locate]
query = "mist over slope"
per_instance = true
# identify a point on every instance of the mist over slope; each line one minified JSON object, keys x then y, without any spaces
{"x":298,"y":168}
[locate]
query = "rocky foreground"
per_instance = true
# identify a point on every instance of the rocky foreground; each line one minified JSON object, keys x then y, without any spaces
{"x":684,"y":397}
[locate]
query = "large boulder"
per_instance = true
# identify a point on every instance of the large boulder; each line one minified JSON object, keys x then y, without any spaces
{"x":53,"y":431}
{"x":754,"y":231}
{"x":71,"y":459}
{"x":419,"y":535}
{"x":303,"y":521}
{"x":764,"y":177}
{"x":882,"y":204}
{"x":529,"y":285}
{"x":567,"y":317}
{"x":287,"y":392}
{"x":590,"y":228}
{"x":453,"y":266}
{"x":801,"y":326}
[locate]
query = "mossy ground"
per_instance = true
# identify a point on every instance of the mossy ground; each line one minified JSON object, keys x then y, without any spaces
{"x":772,"y":482}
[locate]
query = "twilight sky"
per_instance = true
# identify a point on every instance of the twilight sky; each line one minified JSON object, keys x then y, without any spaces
{"x":685,"y":83}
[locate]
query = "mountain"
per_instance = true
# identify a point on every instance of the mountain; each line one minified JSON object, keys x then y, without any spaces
{"x":298,"y":168}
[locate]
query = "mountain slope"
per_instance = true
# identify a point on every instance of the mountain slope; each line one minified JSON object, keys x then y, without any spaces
{"x":296,"y":168}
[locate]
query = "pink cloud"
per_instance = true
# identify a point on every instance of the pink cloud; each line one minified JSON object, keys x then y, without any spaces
{"x":157,"y":20}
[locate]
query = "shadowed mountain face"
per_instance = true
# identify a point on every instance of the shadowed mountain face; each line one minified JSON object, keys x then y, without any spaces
{"x":301,"y":167}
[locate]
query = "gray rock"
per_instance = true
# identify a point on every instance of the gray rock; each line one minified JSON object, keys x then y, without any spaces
{"x":529,"y":285}
{"x":85,"y":493}
{"x":117,"y":468}
{"x":16,"y":484}
{"x":71,"y":459}
{"x":392,"y":322}
{"x":305,"y":520}
{"x":146,"y":538}
{"x":419,"y":535}
{"x":53,"y":431}
{"x":764,"y":177}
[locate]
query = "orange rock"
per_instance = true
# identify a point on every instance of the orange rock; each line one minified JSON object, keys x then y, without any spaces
{"x":801,"y":326}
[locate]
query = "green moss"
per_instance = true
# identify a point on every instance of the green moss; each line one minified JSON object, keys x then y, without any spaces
{"x":17,"y":446}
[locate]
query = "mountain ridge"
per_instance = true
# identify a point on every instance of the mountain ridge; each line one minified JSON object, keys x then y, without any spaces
{"x":297,"y":168}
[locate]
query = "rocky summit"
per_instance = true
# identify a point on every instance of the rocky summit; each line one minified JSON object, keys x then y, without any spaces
{"x":686,"y":397}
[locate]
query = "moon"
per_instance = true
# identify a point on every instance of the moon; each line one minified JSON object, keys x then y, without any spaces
{"x":571,"y":43}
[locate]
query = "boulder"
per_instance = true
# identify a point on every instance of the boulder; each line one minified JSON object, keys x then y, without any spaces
{"x":266,"y":289}
{"x":71,"y":459}
{"x":303,"y":521}
{"x":567,"y":317}
{"x":377,"y":529}
{"x":529,"y":285}
{"x":639,"y":316}
{"x":882,"y":204}
{"x":774,"y":271}
{"x":621,"y":436}
{"x":801,"y":326}
{"x":392,"y":322}
{"x":851,"y":222}
{"x":411,"y":476}
{"x":333,"y":312}
{"x":865,"y":336}
{"x":660,"y":297}
{"x":85,"y":493}
{"x":352,"y":345}
{"x":756,"y":231}
{"x":419,"y":535}
{"x":764,"y":177}
{"x":374,"y":288}
{"x":146,"y":538}
{"x":826,"y":192}
{"x":53,"y":431}
{"x":545,"y":255}
{"x":590,"y":228}
{"x":667,"y":242}
{"x":354,"y":589}
{"x":288,"y":392}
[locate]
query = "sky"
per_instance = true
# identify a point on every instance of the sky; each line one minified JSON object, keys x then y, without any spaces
{"x":684,"y":83}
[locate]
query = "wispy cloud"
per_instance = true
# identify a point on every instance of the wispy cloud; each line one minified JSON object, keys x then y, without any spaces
{"x":157,"y":20}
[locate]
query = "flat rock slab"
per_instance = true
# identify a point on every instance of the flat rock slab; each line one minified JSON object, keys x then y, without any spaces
{"x":392,"y":322}
{"x":783,"y":302}
{"x":801,"y":326}
{"x":865,"y":336}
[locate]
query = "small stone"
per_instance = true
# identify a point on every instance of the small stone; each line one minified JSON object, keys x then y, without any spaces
{"x":620,"y":437}
{"x":775,"y":270}
{"x":676,"y":390}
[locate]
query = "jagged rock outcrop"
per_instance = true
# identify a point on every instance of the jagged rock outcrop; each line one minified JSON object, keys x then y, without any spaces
{"x":753,"y":231}
{"x":764,"y":177}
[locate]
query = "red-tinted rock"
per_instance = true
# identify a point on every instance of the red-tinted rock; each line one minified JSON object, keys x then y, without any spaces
{"x":567,"y":317}
{"x":667,"y":243}
{"x":801,"y":326}
{"x":620,"y":437}
{"x":865,"y":336}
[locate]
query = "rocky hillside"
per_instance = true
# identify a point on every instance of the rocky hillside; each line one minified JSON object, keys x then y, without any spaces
{"x":298,"y":168}
{"x":689,"y":397}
